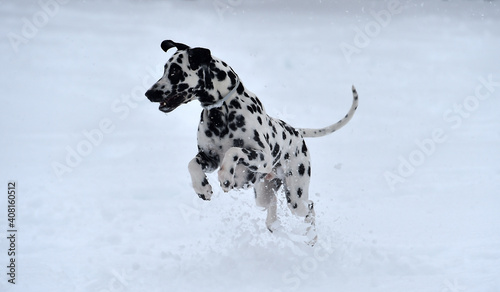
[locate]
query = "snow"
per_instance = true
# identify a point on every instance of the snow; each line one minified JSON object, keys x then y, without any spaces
{"x":407,"y":194}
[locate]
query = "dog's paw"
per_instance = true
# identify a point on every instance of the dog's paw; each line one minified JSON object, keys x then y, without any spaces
{"x":274,"y":226}
{"x":203,"y":189}
{"x":226,"y":179}
{"x":205,"y":197}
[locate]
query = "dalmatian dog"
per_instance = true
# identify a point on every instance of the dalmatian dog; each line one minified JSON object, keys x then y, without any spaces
{"x":236,"y":136}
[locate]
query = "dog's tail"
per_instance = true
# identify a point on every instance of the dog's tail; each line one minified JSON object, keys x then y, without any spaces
{"x":332,"y":128}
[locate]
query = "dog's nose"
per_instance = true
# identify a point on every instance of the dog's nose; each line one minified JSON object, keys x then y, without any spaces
{"x":154,"y":95}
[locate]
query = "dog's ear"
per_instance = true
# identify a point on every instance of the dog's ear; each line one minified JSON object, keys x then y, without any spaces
{"x":199,"y":57}
{"x":168,"y":44}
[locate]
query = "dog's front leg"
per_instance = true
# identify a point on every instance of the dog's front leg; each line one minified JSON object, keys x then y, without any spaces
{"x":254,"y":160}
{"x":198,"y":166}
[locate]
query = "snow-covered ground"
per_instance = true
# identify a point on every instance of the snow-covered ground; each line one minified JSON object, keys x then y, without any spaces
{"x":407,"y":194}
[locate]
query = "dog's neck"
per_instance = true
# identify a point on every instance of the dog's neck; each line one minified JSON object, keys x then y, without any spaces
{"x":228,"y":96}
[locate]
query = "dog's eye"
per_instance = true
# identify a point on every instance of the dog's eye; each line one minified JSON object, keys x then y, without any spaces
{"x":174,"y":71}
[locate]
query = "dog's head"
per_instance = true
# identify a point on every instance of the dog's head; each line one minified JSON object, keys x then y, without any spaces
{"x":191,"y":73}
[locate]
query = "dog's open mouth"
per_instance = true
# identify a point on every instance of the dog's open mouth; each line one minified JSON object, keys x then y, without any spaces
{"x":171,"y":103}
{"x":164,"y":107}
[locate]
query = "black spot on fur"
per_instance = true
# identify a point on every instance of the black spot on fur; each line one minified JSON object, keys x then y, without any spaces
{"x":276,"y":150}
{"x":198,"y":57}
{"x":256,"y":138}
{"x":205,"y":98}
{"x":240,"y":89}
{"x":208,"y":161}
{"x":216,"y":123}
{"x":238,"y":143}
{"x":302,"y":169}
{"x":231,"y":75}
{"x":251,"y":177}
{"x":235,"y":104}
{"x":251,"y":154}
{"x":231,"y":116}
{"x":299,"y":192}
{"x":266,"y":136}
{"x":240,"y":121}
{"x":221,"y":75}
{"x":304,"y":147}
{"x":182,"y":87}
{"x":258,"y":102}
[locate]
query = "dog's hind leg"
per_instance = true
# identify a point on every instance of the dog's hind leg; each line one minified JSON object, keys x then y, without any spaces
{"x":297,"y":197}
{"x":265,"y":196}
